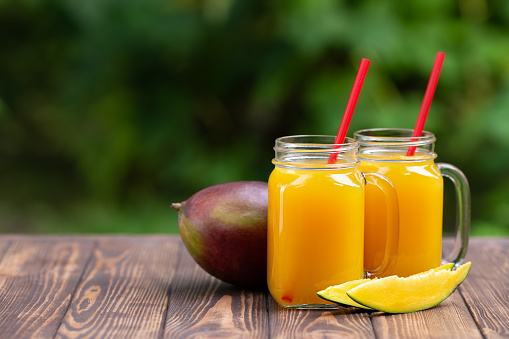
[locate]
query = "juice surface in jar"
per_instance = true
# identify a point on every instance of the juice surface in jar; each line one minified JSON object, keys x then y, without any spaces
{"x":315,"y":231}
{"x":419,"y":186}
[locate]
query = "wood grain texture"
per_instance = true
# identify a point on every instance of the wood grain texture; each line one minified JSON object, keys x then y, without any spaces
{"x":124,"y":290}
{"x":347,"y":322}
{"x":202,"y":306}
{"x":486,"y":289}
{"x":4,"y":245}
{"x":149,"y":287}
{"x":37,"y":280}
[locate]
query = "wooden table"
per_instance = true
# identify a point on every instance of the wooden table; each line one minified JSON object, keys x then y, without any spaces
{"x":149,"y":287}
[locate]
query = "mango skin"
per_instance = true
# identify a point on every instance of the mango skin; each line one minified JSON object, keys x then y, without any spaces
{"x":224,"y":228}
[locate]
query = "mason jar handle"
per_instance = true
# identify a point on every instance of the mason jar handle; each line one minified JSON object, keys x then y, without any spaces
{"x":391,"y":198}
{"x":462,"y":190}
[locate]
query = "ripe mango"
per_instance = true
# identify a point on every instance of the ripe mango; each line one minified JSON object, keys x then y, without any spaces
{"x":224,"y":228}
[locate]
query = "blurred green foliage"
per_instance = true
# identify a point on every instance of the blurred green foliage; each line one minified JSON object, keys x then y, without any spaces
{"x":110,"y":110}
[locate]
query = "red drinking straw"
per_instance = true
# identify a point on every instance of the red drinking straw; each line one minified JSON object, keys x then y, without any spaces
{"x":350,"y":107}
{"x":426,"y":102}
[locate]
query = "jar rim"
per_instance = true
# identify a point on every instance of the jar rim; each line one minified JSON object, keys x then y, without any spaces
{"x":393,"y":136}
{"x":314,"y":151}
{"x":314,"y":143}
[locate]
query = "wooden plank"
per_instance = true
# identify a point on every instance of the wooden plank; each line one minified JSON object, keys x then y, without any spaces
{"x":4,"y":245}
{"x":124,"y":291}
{"x":37,"y":280}
{"x":132,"y":283}
{"x":203,"y":306}
{"x":347,"y":322}
{"x":486,"y":289}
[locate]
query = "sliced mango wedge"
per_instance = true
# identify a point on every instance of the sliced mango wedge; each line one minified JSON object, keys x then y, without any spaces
{"x":415,"y":293}
{"x":337,"y":293}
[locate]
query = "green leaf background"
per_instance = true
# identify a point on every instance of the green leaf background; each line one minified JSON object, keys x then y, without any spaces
{"x":110,"y":110}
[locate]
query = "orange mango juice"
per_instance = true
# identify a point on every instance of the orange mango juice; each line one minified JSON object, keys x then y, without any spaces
{"x":419,"y":186}
{"x":315,"y":231}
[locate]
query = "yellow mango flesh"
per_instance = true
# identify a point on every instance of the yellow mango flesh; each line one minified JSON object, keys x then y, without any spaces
{"x":447,"y":266}
{"x":338,"y":294}
{"x":415,"y":293}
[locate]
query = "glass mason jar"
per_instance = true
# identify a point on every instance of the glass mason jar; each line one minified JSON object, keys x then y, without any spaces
{"x":316,"y":219}
{"x":419,"y":185}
